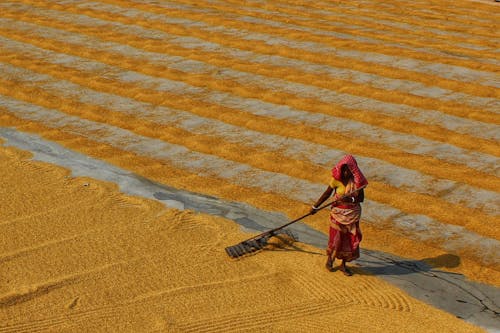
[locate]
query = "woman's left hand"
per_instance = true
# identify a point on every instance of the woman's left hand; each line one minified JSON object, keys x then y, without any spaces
{"x":348,"y":199}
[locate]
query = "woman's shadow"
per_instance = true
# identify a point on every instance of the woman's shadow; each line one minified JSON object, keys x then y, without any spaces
{"x":376,"y":263}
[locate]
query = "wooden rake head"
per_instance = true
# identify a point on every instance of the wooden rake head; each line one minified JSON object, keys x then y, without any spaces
{"x":255,"y":244}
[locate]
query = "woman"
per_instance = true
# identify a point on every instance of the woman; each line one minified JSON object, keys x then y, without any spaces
{"x":345,"y":234}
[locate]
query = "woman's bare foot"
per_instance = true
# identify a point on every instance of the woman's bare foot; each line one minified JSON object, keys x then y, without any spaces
{"x":329,"y":264}
{"x":345,"y":270}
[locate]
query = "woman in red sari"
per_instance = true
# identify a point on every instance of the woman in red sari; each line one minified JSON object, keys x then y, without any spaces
{"x":345,"y":234}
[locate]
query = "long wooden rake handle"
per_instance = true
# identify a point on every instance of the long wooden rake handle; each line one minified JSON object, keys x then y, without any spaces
{"x":272,"y":231}
{"x":254,"y":243}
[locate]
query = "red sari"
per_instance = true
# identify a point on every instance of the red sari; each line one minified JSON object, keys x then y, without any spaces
{"x":345,"y":234}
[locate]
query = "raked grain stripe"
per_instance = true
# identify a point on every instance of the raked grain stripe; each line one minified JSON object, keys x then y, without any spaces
{"x":342,"y":27}
{"x":324,"y":156}
{"x":411,"y":144}
{"x":209,"y":50}
{"x":342,"y":17}
{"x":276,"y":44}
{"x":340,"y":32}
{"x":299,"y":169}
{"x":454,"y":122}
{"x":275,"y":33}
{"x":466,"y":19}
{"x":126,"y":89}
{"x":458,"y":239}
{"x":467,"y":13}
{"x":347,"y":101}
{"x":336,"y":39}
{"x":384,"y":91}
{"x":370,"y":20}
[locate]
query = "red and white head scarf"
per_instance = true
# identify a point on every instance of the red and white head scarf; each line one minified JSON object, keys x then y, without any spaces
{"x":350,"y":161}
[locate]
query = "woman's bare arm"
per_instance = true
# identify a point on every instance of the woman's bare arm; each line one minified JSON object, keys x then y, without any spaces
{"x":328,"y":192}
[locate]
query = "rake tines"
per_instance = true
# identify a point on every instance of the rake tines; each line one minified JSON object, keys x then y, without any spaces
{"x":255,"y":244}
{"x":246,"y":247}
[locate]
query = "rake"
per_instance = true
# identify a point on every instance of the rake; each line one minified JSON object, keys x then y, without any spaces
{"x":258,"y":242}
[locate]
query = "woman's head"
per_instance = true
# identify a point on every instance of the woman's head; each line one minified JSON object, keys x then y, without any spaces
{"x":345,"y":172}
{"x":348,"y":167}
